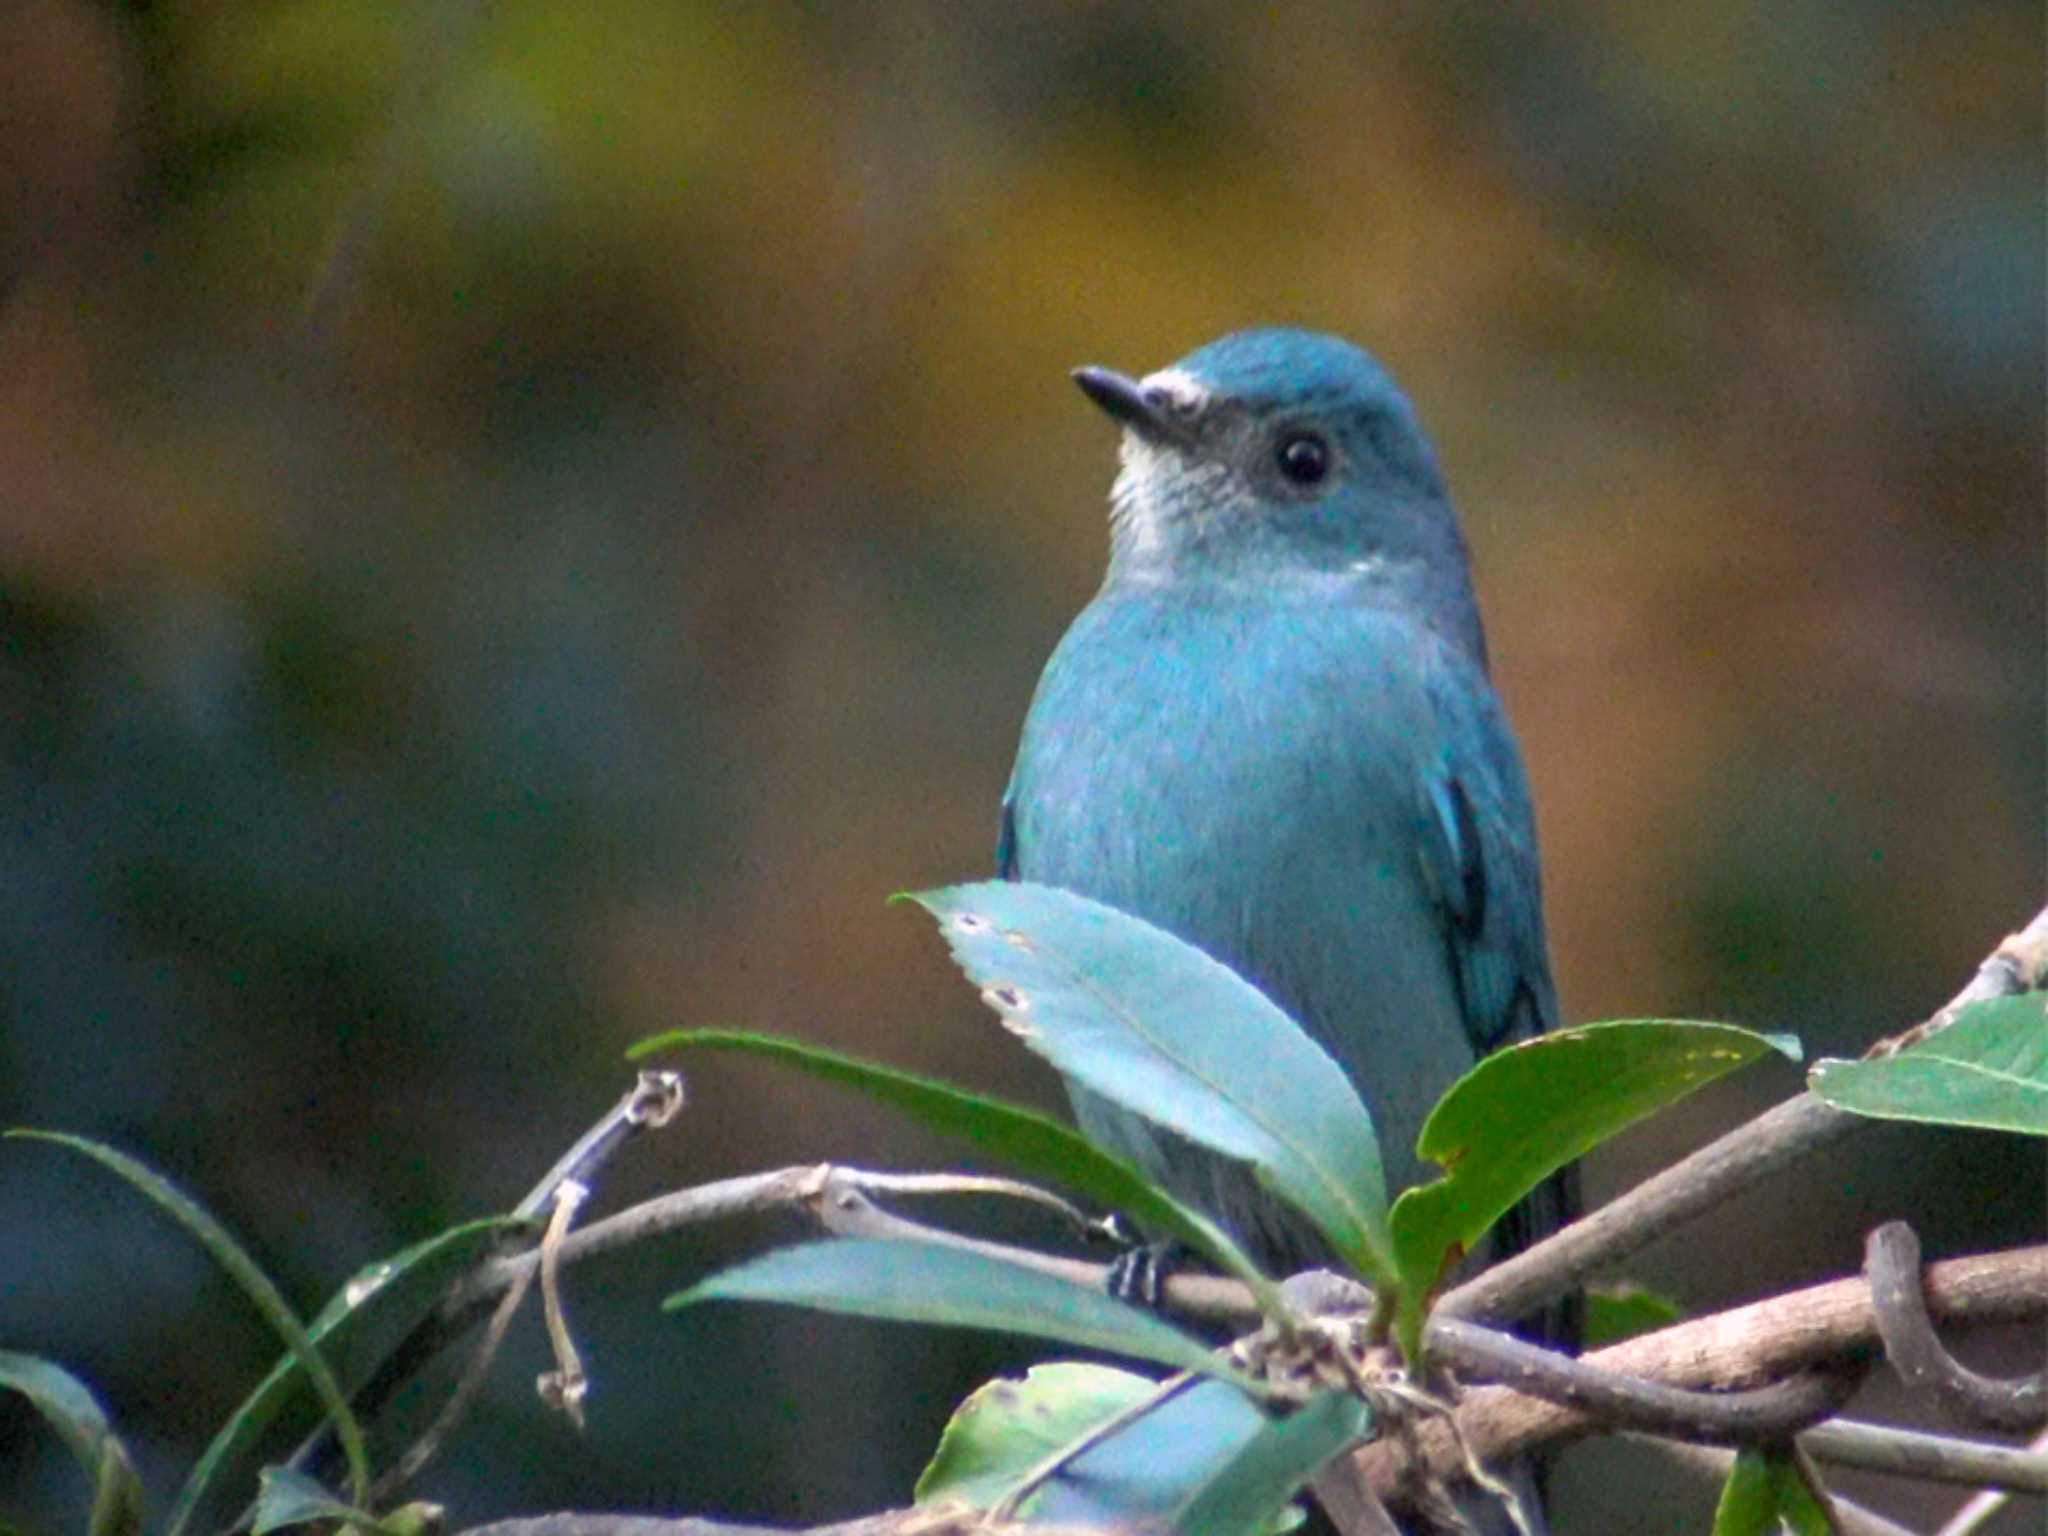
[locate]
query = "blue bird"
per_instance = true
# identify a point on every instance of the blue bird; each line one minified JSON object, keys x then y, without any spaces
{"x":1273,"y":734}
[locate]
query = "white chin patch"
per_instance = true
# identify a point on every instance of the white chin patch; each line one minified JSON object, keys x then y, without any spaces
{"x":1158,"y":491}
{"x":1141,"y":499}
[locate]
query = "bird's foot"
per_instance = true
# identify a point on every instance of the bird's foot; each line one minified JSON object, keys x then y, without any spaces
{"x":1139,"y":1275}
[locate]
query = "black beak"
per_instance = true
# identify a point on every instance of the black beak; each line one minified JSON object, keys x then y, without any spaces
{"x":1123,"y":400}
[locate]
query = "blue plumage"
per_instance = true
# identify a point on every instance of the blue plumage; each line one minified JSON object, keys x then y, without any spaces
{"x":1272,"y":733}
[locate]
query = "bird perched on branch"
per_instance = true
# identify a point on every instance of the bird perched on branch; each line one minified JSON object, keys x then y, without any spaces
{"x":1273,"y":734}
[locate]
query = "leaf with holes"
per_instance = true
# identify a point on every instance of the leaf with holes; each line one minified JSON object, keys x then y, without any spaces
{"x":1133,"y":1014}
{"x":1007,"y":1428}
{"x":1988,"y":1069}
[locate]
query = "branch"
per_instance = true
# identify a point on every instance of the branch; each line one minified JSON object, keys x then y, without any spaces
{"x":834,"y":1198}
{"x":1643,"y":1382}
{"x":1819,"y":1329}
{"x":1930,"y":1458}
{"x":895,"y":1522}
{"x":1823,"y":1328}
{"x":1825,"y":1325}
{"x":1806,"y":1330}
{"x":1981,"y":1509}
{"x":1892,"y":1266}
{"x":1745,"y":1156}
{"x":1759,"y":1416}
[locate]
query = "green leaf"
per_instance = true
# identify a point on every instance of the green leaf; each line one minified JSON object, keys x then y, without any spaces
{"x":1524,"y":1112}
{"x":1007,"y":1428}
{"x":1766,"y":1496}
{"x":1028,"y":1141}
{"x":1617,"y":1312}
{"x":1136,"y":1016}
{"x":355,"y":1331}
{"x":1987,"y":1069}
{"x":71,"y":1409}
{"x":242,"y":1269}
{"x":1249,"y":1492}
{"x":914,"y":1282}
{"x":1138,"y":1475}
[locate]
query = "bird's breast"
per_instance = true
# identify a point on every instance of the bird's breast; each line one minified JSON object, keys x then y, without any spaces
{"x":1169,"y":740}
{"x":1250,"y":778}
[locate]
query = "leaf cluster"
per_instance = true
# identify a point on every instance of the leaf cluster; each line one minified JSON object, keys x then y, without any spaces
{"x":1220,"y":1446}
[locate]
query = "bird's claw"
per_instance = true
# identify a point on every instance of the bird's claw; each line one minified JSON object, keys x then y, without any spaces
{"x":1138,"y":1276}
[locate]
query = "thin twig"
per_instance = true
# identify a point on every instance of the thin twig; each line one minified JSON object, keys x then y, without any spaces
{"x":1744,"y":1157}
{"x":919,"y":1521}
{"x":1892,"y":1265}
{"x":818,"y":1192}
{"x":565,"y":1386}
{"x":424,"y":1449}
{"x":1930,"y":1458}
{"x":1758,"y":1416}
{"x":654,"y":1100}
{"x":952,"y":1184}
{"x":1982,"y":1507}
{"x":809,"y":1190}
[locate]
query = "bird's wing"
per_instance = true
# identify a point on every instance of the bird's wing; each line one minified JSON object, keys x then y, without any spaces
{"x":1479,"y":864}
{"x":1006,"y":838}
{"x":1479,"y":861}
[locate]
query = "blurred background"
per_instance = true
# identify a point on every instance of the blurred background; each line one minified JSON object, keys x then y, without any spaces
{"x":522,"y":523}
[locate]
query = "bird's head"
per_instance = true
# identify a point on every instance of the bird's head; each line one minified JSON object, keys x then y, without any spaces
{"x":1276,"y":452}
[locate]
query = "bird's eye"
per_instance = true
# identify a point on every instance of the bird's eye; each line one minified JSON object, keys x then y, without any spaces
{"x":1303,"y":457}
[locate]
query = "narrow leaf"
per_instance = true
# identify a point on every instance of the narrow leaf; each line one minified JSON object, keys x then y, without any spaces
{"x":242,"y":1269}
{"x":1987,"y":1069}
{"x":1524,"y":1112}
{"x":1138,"y":1017}
{"x":913,"y":1282}
{"x":69,"y":1407}
{"x":1247,"y":1493}
{"x":357,"y":1328}
{"x":1028,"y":1141}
